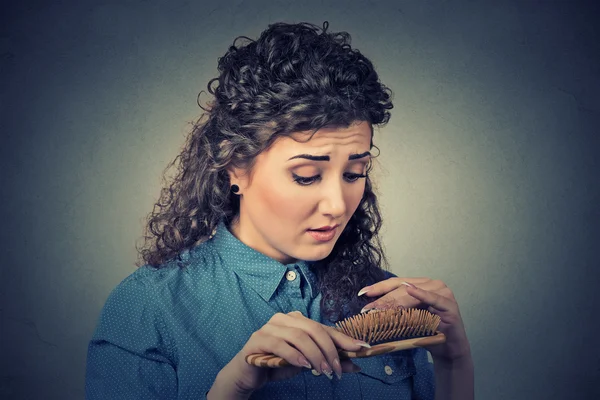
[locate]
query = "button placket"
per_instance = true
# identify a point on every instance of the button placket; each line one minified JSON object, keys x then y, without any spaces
{"x":293,"y":290}
{"x":291,"y":276}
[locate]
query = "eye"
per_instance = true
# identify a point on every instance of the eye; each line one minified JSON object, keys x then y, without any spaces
{"x":305,"y":180}
{"x":352,"y":177}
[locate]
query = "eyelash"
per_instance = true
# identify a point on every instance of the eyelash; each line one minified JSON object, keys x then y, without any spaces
{"x":305,"y":181}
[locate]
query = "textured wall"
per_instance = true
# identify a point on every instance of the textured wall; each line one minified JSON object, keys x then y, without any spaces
{"x":488,"y":175}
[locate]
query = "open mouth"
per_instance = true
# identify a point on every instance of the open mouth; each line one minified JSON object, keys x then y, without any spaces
{"x":323,"y":234}
{"x":324,"y":228}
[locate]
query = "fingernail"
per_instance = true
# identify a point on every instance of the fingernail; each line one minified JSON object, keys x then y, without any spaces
{"x":337,"y":367}
{"x":326,"y":369}
{"x":367,"y":308}
{"x":363,"y":344}
{"x":304,"y":362}
{"x":409,"y":285}
{"x":364,"y":290}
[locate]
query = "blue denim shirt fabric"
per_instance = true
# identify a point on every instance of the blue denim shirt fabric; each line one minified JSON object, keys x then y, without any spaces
{"x":164,"y":333}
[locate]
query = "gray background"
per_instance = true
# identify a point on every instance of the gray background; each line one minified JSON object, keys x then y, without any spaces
{"x":488,"y":176}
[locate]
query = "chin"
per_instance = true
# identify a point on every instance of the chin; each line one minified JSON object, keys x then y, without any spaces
{"x":315,"y":254}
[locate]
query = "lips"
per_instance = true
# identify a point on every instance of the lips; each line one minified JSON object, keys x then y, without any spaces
{"x":324,"y":233}
{"x":324,"y":228}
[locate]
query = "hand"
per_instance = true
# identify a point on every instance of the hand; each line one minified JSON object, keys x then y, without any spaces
{"x":300,"y":341}
{"x":433,"y":295}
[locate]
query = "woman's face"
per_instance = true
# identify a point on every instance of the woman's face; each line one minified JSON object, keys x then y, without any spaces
{"x":298,"y":187}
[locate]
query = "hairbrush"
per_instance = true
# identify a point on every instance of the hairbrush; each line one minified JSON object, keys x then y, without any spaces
{"x":385,"y":330}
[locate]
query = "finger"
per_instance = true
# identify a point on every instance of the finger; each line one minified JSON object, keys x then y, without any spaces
{"x":340,"y":340}
{"x":299,"y":340}
{"x":344,"y":341}
{"x":400,"y":298}
{"x":319,"y":336}
{"x":447,"y":293}
{"x":266,"y":340}
{"x":388,"y":285}
{"x":434,"y":300}
{"x":395,"y":299}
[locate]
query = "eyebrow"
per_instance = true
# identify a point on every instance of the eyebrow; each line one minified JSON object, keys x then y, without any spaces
{"x":359,"y":156}
{"x":326,"y":158}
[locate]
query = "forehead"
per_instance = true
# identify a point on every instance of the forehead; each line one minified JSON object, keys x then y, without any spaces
{"x":353,"y":139}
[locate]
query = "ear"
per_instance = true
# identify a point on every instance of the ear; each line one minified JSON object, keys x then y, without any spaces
{"x":239,"y":177}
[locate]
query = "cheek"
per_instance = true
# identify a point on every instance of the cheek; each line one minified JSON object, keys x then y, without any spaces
{"x":286,"y":201}
{"x":353,"y":197}
{"x":281,"y":201}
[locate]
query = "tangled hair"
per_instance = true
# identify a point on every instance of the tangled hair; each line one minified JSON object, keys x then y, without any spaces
{"x":295,"y":77}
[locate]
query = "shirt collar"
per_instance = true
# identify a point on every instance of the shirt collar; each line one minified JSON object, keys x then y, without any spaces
{"x":262,"y":273}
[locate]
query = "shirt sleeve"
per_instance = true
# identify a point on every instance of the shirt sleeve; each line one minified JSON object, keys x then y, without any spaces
{"x":129,"y":354}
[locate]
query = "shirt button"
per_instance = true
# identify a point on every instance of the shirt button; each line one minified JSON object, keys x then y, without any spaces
{"x":290,"y":276}
{"x":388,"y":370}
{"x":315,"y":372}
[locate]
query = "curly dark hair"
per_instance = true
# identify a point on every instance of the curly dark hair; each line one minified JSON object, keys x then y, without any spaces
{"x":295,"y":77}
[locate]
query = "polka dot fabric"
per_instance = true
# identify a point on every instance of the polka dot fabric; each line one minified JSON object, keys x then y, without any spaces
{"x":165,"y":333}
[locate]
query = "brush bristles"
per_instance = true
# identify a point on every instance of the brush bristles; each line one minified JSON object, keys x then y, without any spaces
{"x":393,"y":324}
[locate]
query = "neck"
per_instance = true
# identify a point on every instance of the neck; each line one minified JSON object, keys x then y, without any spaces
{"x":245,"y":233}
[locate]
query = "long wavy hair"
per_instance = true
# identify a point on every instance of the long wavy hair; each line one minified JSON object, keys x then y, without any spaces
{"x":295,"y":77}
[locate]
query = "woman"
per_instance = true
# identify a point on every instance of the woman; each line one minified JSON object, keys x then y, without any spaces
{"x":266,"y":236}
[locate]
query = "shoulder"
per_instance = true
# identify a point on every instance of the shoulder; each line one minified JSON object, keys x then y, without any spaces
{"x":143,"y":283}
{"x":135,"y":295}
{"x":194,"y":263}
{"x":147,"y":283}
{"x":389,"y":274}
{"x":151,"y":288}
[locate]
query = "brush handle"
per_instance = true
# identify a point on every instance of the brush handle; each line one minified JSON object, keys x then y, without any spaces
{"x":273,"y":361}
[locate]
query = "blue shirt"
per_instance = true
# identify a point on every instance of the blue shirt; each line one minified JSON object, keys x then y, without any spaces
{"x":165,"y":333}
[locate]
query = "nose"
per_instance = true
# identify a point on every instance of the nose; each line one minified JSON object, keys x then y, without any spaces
{"x":333,"y":202}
